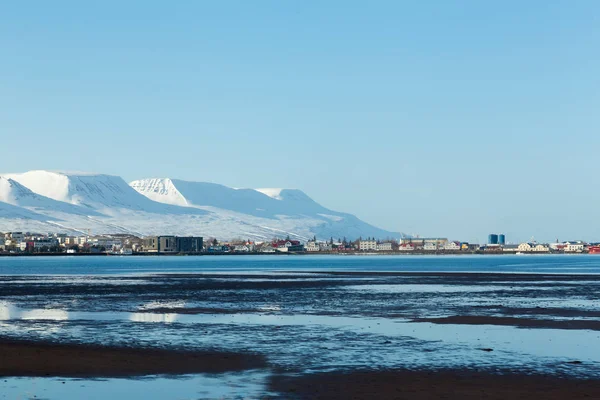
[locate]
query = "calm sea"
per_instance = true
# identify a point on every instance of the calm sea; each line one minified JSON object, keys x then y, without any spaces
{"x":116,"y":265}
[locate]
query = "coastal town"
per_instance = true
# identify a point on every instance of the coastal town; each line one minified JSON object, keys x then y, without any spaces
{"x":29,"y":243}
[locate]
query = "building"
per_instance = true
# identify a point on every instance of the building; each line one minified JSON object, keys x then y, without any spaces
{"x":501,"y":239}
{"x":312,"y":246}
{"x":406,"y":247}
{"x":452,"y":246}
{"x":541,"y":248}
{"x":160,"y":244}
{"x":430,"y":246}
{"x":492,"y":238}
{"x":325,"y":247}
{"x":189,"y":244}
{"x":107,"y":243}
{"x":510,"y":248}
{"x":421,"y":242}
{"x":367,"y":245}
{"x":15,"y":237}
{"x":38,"y":245}
{"x":384,"y":246}
{"x":574,"y":247}
{"x":525,"y":247}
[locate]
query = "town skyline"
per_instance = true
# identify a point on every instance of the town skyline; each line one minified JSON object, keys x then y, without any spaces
{"x":452,"y":118}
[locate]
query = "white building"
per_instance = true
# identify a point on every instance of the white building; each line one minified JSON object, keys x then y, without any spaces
{"x":439,"y":242}
{"x":525,"y":247}
{"x":312,"y":246}
{"x":241,"y":248}
{"x":384,"y":246}
{"x":325,"y":247}
{"x":430,"y":246}
{"x":367,"y":245}
{"x":15,"y":237}
{"x":574,"y":247}
{"x":452,"y":246}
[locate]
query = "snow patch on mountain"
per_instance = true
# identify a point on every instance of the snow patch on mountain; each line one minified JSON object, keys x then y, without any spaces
{"x":273,"y":193}
{"x":161,"y":190}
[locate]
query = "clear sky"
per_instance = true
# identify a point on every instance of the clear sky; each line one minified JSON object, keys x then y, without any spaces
{"x":450,"y":118}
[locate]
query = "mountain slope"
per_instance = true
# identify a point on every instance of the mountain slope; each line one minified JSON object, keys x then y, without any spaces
{"x":12,"y":192}
{"x":46,"y":201}
{"x":104,"y":193}
{"x":270,"y":206}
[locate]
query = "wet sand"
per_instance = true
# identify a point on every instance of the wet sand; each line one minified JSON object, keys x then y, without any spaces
{"x":39,"y":358}
{"x":421,"y":331}
{"x":513,"y":321}
{"x":422,"y":385}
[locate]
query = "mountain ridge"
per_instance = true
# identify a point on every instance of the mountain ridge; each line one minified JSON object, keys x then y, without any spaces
{"x":106,"y":203}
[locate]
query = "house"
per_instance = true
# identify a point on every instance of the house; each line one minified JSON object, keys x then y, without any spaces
{"x":267,"y":249}
{"x":367,"y":245}
{"x":312,"y":246}
{"x":384,"y":246}
{"x":541,"y":248}
{"x":430,"y":246}
{"x":452,"y":246}
{"x":406,"y":247}
{"x":241,"y":248}
{"x":287,"y":245}
{"x":574,"y":247}
{"x":325,"y":247}
{"x":525,"y":247}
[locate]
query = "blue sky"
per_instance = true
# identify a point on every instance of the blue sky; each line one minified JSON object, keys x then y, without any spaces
{"x":451,"y":118}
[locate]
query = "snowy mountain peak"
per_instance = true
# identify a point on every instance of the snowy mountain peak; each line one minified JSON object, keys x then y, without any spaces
{"x":12,"y":192}
{"x":90,"y":190}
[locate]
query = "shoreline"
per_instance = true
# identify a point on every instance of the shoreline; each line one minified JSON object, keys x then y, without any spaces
{"x":277,"y":254}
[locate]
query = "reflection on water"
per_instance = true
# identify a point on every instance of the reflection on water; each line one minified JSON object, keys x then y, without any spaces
{"x":10,"y":312}
{"x":151,"y":317}
{"x":249,"y":385}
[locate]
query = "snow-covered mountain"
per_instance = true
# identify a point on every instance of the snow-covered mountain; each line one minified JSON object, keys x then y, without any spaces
{"x":75,"y":202}
{"x":93,"y":191}
{"x":270,"y":206}
{"x":12,"y":192}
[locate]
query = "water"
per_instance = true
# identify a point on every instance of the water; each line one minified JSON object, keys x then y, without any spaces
{"x":556,"y":264}
{"x":304,"y":313}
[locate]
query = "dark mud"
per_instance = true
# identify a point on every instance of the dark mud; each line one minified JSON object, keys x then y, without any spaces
{"x":511,"y":321}
{"x":425,"y":385}
{"x":41,"y":358}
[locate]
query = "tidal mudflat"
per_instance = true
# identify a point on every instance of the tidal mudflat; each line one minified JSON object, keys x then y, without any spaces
{"x":300,"y":327}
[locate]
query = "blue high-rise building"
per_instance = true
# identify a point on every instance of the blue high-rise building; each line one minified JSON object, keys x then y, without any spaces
{"x":501,"y":239}
{"x":493,"y":238}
